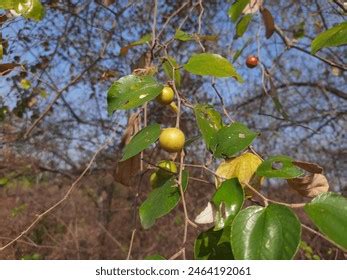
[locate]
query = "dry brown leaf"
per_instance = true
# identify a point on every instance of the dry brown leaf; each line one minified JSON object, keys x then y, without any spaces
{"x":253,"y":6}
{"x":268,"y":22}
{"x":6,"y":68}
{"x":310,"y":185}
{"x":309,"y":166}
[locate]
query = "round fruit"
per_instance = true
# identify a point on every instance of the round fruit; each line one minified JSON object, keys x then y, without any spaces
{"x":166,"y":96}
{"x":166,"y":169}
{"x":172,"y":139}
{"x":252,"y":61}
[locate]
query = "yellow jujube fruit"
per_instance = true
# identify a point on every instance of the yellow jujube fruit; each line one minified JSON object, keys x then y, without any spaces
{"x":167,"y":168}
{"x":172,"y":139}
{"x":166,"y":96}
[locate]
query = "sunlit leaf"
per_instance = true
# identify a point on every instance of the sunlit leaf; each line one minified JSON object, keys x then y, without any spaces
{"x":209,"y":64}
{"x":333,"y":37}
{"x":228,"y":200}
{"x":231,"y":139}
{"x":132,"y":91}
{"x":242,"y":167}
{"x":236,"y":9}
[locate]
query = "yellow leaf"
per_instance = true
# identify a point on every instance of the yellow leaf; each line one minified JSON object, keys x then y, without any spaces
{"x":242,"y":167}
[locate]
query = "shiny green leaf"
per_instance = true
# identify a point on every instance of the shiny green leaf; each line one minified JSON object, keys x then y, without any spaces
{"x":279,"y":167}
{"x":231,"y":139}
{"x":142,"y":140}
{"x":209,"y":64}
{"x":161,"y":201}
{"x":132,"y":91}
{"x":271,"y":233}
{"x":228,"y":200}
{"x":328,"y":212}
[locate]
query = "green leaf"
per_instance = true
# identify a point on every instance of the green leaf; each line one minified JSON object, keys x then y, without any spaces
{"x":242,"y":25}
{"x":231,"y":139}
{"x":228,"y":200}
{"x":271,"y":233}
{"x":328,"y":212}
{"x":209,"y":64}
{"x":236,"y":9}
{"x":171,"y":70}
{"x":333,"y":37}
{"x":31,"y":9}
{"x":209,"y":122}
{"x":279,"y":167}
{"x":132,"y":91}
{"x":155,"y":257}
{"x":210,"y":246}
{"x":161,"y":201}
{"x":142,"y":140}
{"x":183,"y":36}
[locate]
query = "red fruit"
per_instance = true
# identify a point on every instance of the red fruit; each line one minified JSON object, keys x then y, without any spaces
{"x":252,"y":61}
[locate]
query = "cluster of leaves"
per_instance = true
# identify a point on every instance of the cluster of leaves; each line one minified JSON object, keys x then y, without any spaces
{"x":256,"y":232}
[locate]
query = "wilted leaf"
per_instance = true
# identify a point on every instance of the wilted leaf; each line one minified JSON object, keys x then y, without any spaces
{"x":308,"y":166}
{"x":268,"y":22}
{"x":271,"y":233}
{"x":310,"y":185}
{"x":6,"y":68}
{"x":209,"y":64}
{"x":328,"y":212}
{"x":279,"y":167}
{"x":231,"y":139}
{"x":132,"y":91}
{"x":236,"y":9}
{"x":333,"y":37}
{"x":210,"y":246}
{"x":142,"y":140}
{"x":242,"y":167}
